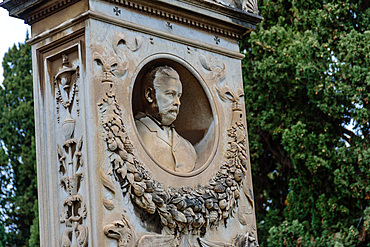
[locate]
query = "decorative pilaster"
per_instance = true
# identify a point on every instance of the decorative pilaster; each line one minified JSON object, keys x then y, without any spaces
{"x":70,"y":159}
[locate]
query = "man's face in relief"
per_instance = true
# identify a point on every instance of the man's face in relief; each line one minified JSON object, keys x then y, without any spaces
{"x":168,"y":92}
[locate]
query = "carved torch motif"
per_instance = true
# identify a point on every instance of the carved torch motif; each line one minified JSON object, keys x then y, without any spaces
{"x":70,"y":158}
{"x":65,"y":82}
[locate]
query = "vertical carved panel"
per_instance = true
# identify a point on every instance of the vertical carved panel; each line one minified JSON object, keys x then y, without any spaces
{"x":64,"y":67}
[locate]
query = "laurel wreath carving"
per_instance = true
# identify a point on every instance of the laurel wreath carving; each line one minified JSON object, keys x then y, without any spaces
{"x":181,"y":210}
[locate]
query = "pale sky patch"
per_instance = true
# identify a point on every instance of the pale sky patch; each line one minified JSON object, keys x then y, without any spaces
{"x":12,"y":30}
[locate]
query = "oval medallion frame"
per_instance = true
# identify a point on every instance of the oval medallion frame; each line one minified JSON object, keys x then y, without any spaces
{"x":203,"y":129}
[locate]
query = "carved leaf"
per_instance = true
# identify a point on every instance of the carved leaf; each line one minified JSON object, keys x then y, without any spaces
{"x":79,"y":145}
{"x":117,"y":68}
{"x":138,"y":188}
{"x":163,"y":220}
{"x":122,"y":171}
{"x":240,"y":93}
{"x":65,"y":238}
{"x":177,"y":215}
{"x":82,"y":235}
{"x":64,"y":182}
{"x":150,"y":206}
{"x":204,"y":62}
{"x":130,"y":167}
{"x":108,"y":204}
{"x":138,"y":42}
{"x":99,"y":60}
{"x":243,"y":215}
{"x":120,"y":40}
{"x":82,"y":211}
{"x":62,"y":165}
{"x":63,"y":216}
{"x":130,"y":178}
{"x":107,"y":182}
{"x":248,"y":192}
{"x":213,"y":65}
{"x":60,"y":152}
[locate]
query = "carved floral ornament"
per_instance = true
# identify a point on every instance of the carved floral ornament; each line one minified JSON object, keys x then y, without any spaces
{"x":183,"y":211}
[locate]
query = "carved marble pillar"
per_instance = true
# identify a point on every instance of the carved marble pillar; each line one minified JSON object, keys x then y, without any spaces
{"x":99,"y":182}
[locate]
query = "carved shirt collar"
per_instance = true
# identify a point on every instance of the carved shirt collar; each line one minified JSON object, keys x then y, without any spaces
{"x":140,"y":115}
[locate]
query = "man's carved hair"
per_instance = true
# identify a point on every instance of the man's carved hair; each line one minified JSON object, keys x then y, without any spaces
{"x":156,"y":74}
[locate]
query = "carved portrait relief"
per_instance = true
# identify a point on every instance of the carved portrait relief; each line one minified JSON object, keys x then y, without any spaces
{"x":173,"y":120}
{"x":179,"y":155}
{"x":161,"y":93}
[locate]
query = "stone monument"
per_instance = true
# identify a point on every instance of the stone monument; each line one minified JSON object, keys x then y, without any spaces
{"x":140,"y":125}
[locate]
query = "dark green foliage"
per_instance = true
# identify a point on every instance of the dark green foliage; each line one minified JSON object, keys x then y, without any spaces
{"x":3,"y":237}
{"x":35,"y":232}
{"x":307,"y":90}
{"x":18,"y":193}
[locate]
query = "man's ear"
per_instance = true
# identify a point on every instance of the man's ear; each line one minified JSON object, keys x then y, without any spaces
{"x":149,"y":94}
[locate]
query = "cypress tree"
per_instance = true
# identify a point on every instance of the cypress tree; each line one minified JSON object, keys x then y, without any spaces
{"x":307,"y":90}
{"x":18,"y":192}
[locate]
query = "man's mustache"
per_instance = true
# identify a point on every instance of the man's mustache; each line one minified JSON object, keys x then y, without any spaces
{"x":172,"y":109}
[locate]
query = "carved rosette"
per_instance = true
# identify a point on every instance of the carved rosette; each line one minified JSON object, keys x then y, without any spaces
{"x":69,"y":152}
{"x":187,"y":210}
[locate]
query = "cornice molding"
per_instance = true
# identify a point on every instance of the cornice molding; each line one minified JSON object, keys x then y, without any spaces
{"x":221,"y":20}
{"x":240,"y":21}
{"x":49,"y":10}
{"x":135,"y":27}
{"x":175,"y":18}
{"x":26,"y":9}
{"x":17,"y":7}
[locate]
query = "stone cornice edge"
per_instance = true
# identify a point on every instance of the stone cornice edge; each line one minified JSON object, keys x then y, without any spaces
{"x":135,"y":27}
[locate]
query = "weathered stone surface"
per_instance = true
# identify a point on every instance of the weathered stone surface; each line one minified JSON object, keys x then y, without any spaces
{"x":123,"y":164}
